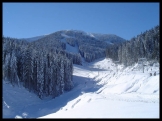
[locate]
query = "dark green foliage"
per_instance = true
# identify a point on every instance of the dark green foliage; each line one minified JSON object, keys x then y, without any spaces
{"x":40,"y":70}
{"x":145,"y":45}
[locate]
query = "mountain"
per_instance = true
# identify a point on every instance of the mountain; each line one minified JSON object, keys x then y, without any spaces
{"x":109,"y":38}
{"x":89,"y":45}
{"x":33,"y":38}
{"x":49,"y":76}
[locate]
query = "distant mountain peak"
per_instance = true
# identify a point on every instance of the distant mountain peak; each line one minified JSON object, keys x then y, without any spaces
{"x":72,"y":33}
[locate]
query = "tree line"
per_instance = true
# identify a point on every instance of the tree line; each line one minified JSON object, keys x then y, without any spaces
{"x":144,"y":45}
{"x":42,"y":71}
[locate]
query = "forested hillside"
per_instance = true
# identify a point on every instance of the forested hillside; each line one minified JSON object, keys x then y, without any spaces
{"x":90,"y":46}
{"x":53,"y":43}
{"x":45,"y":66}
{"x":144,"y":45}
{"x":40,"y":70}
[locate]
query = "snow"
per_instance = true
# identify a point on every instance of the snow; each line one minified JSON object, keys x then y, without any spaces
{"x":72,"y":49}
{"x":109,"y":38}
{"x":101,"y":90}
{"x":64,"y":35}
{"x":96,"y":106}
{"x":69,"y":48}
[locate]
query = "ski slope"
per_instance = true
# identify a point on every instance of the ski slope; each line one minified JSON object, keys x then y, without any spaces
{"x":69,"y":48}
{"x":101,"y":90}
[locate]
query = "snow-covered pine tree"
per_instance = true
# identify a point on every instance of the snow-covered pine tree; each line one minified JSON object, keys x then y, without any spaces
{"x":35,"y":68}
{"x":40,"y":76}
{"x":68,"y":69}
{"x":13,"y":64}
{"x":62,"y":75}
{"x":46,"y":74}
{"x":28,"y":69}
{"x":7,"y":68}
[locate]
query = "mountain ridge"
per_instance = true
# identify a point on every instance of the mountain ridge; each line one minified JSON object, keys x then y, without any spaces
{"x":89,"y":46}
{"x":98,"y":36}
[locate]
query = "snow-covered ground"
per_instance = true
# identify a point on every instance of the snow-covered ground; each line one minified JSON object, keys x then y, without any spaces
{"x":101,"y":90}
{"x":69,"y":48}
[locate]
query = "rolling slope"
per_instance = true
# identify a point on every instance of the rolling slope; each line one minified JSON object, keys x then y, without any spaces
{"x":100,"y":91}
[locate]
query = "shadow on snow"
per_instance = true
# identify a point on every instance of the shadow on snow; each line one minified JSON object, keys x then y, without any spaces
{"x":81,"y":85}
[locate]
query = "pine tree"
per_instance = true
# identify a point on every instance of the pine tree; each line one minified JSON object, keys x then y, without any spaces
{"x":40,"y":76}
{"x":14,"y":78}
{"x":28,"y":70}
{"x":62,"y":75}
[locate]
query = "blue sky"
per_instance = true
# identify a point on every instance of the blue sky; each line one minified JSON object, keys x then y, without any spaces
{"x":24,"y":20}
